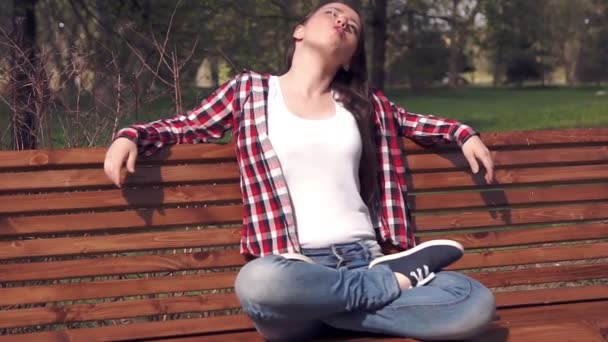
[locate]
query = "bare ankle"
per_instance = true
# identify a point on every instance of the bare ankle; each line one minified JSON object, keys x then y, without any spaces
{"x":403,"y":281}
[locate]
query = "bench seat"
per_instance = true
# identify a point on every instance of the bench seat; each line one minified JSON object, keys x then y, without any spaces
{"x":156,"y":260}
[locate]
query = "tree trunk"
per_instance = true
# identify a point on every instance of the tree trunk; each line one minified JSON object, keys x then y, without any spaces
{"x":454,"y":56}
{"x":570,"y":56}
{"x":24,"y":64}
{"x":378,"y":55}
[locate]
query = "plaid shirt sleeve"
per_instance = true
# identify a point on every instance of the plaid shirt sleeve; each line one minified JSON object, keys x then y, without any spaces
{"x":205,"y":123}
{"x":429,"y":129}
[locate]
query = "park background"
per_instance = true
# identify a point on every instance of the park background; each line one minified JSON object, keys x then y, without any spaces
{"x":72,"y":72}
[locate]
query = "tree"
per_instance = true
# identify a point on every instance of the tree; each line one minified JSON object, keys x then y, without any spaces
{"x":593,"y":58}
{"x":24,"y":69}
{"x":460,"y":16}
{"x":517,"y":40}
{"x":378,"y":24}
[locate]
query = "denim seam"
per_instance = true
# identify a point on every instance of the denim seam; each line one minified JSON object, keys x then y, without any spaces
{"x":454,"y":302}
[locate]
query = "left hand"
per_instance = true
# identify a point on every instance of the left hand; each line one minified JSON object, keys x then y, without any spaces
{"x":474,"y":149}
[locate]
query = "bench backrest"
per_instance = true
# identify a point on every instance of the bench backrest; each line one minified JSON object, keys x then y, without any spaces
{"x":81,"y":259}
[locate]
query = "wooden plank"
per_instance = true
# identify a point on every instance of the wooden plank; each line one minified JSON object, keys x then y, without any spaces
{"x":541,"y":275}
{"x":140,"y":331}
{"x":542,"y":313}
{"x":117,"y":310}
{"x":118,"y":199}
{"x":507,"y":197}
{"x":571,"y":329}
{"x":510,"y":139}
{"x":510,"y":158}
{"x":131,"y":287}
{"x":119,"y":265}
{"x":96,"y":178}
{"x":81,"y":157}
{"x":249,"y":336}
{"x":87,"y":178}
{"x":480,"y":239}
{"x":531,"y":256}
{"x":511,"y":217}
{"x":115,"y":288}
{"x":551,"y":295}
{"x":187,"y":261}
{"x":118,"y":243}
{"x":178,"y":153}
{"x":120,"y":220}
{"x":524,"y":176}
{"x":580,"y":322}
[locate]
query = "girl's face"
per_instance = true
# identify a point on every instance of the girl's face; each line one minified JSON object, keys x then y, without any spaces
{"x":335,"y":28}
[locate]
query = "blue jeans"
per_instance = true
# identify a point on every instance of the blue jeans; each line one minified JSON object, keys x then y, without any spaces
{"x":293,"y":300}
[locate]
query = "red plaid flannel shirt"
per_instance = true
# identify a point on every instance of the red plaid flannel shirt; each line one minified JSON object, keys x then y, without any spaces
{"x":268,"y":218}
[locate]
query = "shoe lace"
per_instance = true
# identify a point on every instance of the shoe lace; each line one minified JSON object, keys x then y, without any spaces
{"x":423,"y":275}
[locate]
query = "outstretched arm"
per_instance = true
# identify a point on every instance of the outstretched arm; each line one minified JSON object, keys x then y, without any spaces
{"x":429,"y":130}
{"x":205,"y":123}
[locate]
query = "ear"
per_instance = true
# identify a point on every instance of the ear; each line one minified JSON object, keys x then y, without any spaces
{"x":298,"y":33}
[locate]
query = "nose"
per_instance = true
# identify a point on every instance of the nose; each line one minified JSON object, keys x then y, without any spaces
{"x":340,"y":22}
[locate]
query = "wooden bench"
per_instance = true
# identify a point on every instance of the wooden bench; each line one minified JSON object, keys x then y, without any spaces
{"x":83,"y":261}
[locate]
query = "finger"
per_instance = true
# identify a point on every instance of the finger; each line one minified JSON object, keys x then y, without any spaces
{"x":488,"y":164}
{"x":116,"y":175}
{"x":131,"y":162}
{"x":472,"y":162}
{"x":108,"y":168}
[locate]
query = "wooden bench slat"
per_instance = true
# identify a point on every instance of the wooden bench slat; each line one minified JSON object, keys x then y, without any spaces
{"x":118,"y":199}
{"x":531,"y":256}
{"x":550,"y":295}
{"x":135,"y":308}
{"x":87,"y":178}
{"x":523,"y":176}
{"x":572,"y":329}
{"x":79,"y":157}
{"x":507,"y":197}
{"x":249,"y":336}
{"x":530,"y":139}
{"x":118,"y":243}
{"x":117,"y":310}
{"x":503,"y":238}
{"x":539,"y":314}
{"x":119,"y":265}
{"x":95,"y":156}
{"x":541,"y":275}
{"x":117,"y":220}
{"x":216,"y":280}
{"x":187,"y":261}
{"x":141,"y":331}
{"x":96,"y":178}
{"x":511,"y":217}
{"x":200,"y":193}
{"x":115,"y":288}
{"x":573,"y":322}
{"x":511,"y":158}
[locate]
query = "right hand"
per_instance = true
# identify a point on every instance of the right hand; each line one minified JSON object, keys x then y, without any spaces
{"x":121,"y":150}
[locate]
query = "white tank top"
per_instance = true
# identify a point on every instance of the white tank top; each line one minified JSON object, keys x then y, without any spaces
{"x":320,"y":162}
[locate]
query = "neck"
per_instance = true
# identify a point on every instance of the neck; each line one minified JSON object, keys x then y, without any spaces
{"x":310,"y":74}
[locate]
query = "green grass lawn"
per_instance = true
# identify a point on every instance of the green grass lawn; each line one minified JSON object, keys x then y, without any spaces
{"x":486,"y":109}
{"x":489,"y":109}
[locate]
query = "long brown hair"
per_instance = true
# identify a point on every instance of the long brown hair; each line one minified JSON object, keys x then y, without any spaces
{"x":353,"y":87}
